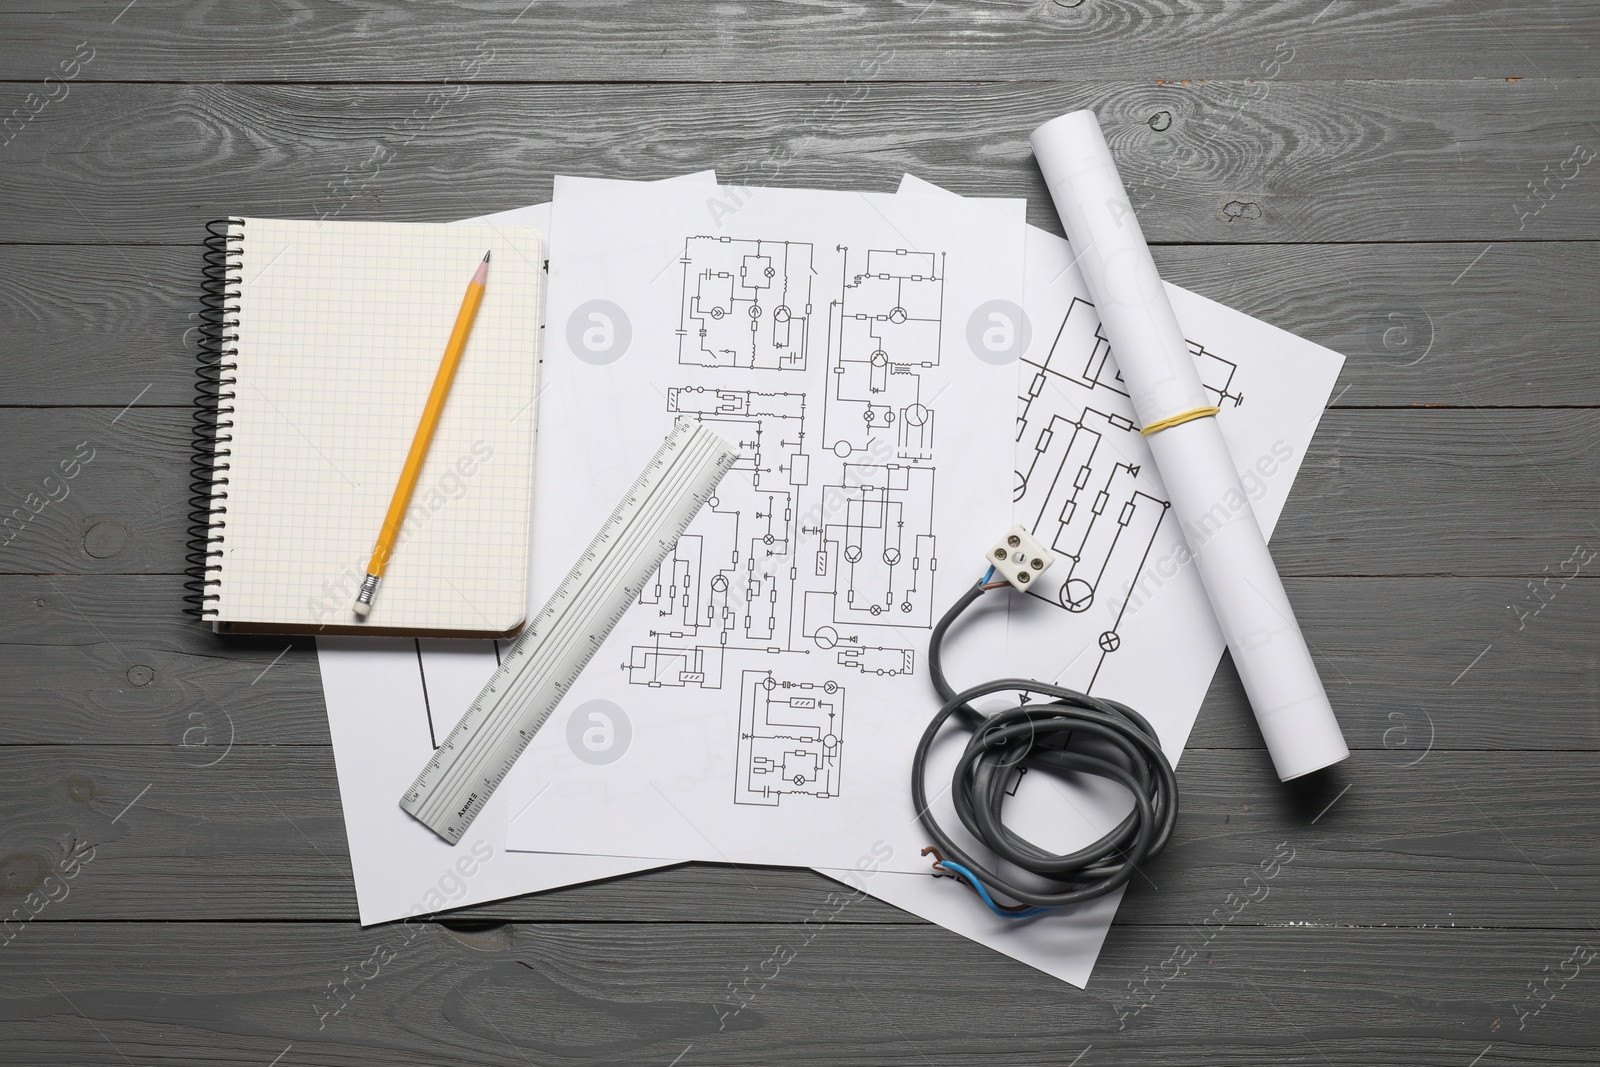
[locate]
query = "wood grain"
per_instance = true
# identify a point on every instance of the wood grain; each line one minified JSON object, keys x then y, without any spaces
{"x":1364,"y":173}
{"x":879,"y":995}
{"x":823,"y":40}
{"x":112,"y":659}
{"x":1295,"y":162}
{"x":1381,"y":492}
{"x":1478,"y":839}
{"x":1417,"y":323}
{"x":88,"y":324}
{"x":108,"y":659}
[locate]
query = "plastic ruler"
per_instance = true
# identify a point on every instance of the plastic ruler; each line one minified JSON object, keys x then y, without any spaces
{"x":558,"y":643}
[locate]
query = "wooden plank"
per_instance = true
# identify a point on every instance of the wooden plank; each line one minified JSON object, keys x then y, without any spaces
{"x":1466,"y":484}
{"x":1438,"y":878}
{"x":822,"y":41}
{"x":1301,"y":162}
{"x":886,"y":995}
{"x":1421,"y":324}
{"x":88,"y":324}
{"x":108,"y":659}
{"x":93,"y":324}
{"x":1413,"y":664}
{"x":112,"y":659}
{"x":97,"y":490}
{"x":1477,"y":491}
{"x":1509,"y":839}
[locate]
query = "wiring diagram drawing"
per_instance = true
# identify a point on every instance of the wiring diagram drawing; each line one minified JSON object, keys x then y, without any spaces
{"x":883,"y":328}
{"x":746,"y":304}
{"x":1084,"y":478}
{"x":819,"y":547}
{"x":791,"y":739}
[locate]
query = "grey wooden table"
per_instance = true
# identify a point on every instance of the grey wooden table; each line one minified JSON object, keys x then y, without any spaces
{"x":1413,"y":184}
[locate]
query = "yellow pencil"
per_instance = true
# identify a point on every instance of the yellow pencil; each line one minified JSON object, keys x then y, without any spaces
{"x":424,"y":438}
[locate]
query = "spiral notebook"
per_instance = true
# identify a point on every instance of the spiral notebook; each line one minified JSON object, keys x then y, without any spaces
{"x":320,"y":341}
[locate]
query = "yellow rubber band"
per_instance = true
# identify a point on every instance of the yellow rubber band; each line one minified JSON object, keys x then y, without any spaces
{"x":1178,"y":420}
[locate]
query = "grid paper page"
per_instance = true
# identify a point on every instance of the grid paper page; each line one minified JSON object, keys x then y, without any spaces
{"x":342,"y":327}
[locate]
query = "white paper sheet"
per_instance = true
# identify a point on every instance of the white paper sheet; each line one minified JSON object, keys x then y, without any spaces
{"x":389,"y":702}
{"x":774,"y":677}
{"x":1076,"y":425}
{"x":1207,"y":497}
{"x":1267,"y":364}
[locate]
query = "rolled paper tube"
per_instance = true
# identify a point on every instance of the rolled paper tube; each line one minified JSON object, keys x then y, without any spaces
{"x":1172,"y":405}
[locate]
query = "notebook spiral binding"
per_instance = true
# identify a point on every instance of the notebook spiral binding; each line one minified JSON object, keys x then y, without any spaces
{"x":209,"y":437}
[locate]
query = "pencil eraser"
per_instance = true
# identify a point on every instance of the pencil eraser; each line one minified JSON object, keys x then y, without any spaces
{"x":362,"y":610}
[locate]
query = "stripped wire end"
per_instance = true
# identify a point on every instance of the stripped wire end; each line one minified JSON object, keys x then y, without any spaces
{"x":1005,"y":911}
{"x":939,"y":869}
{"x":943,"y":868}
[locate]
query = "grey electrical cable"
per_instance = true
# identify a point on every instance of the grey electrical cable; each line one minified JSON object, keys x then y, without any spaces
{"x":1038,"y":735}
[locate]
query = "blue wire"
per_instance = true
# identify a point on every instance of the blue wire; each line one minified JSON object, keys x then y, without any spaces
{"x":972,"y":878}
{"x":987,"y":899}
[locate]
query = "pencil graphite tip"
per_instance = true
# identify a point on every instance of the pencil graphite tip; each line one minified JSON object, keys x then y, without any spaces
{"x":486,"y":255}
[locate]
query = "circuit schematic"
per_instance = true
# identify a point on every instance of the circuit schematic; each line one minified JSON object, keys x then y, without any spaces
{"x":1084,"y":485}
{"x":819,"y":546}
{"x":791,"y":736}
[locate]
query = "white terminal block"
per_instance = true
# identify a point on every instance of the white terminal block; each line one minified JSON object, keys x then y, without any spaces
{"x":1019,"y":558}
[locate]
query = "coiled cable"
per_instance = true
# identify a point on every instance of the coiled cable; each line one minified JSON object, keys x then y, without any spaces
{"x":1038,"y":735}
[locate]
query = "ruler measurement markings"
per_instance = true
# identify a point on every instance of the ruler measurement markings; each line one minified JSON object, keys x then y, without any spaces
{"x":640,"y":532}
{"x":525,"y":734}
{"x":541,"y":668}
{"x":588,"y":589}
{"x":591,"y":587}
